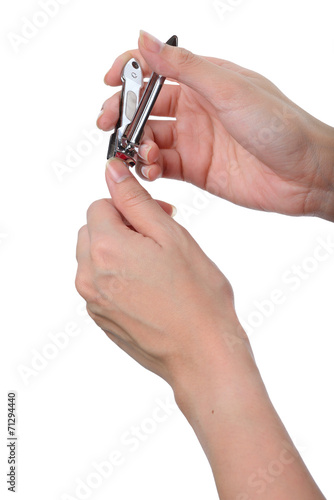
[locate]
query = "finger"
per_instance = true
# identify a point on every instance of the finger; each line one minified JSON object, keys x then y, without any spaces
{"x":159,"y":135}
{"x":165,"y":106}
{"x":149,"y":172}
{"x":148,"y":150}
{"x":109,"y":113}
{"x":162,"y":133}
{"x":202,"y":75}
{"x":134,"y":202}
{"x":83,"y":243}
{"x":170,"y":210}
{"x":105,"y":223}
{"x":113,"y":76}
{"x":168,"y":166}
{"x":148,"y":156}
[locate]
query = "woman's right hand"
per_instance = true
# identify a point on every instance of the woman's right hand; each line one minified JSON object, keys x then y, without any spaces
{"x":235,"y":134}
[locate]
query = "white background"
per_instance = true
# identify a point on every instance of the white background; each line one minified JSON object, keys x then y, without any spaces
{"x":75,"y":409}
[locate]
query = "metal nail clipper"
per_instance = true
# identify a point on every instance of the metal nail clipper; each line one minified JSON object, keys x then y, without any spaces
{"x":125,"y":141}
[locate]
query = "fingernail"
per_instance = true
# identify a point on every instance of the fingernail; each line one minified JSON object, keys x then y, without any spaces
{"x":146,"y":171}
{"x":174,"y":211}
{"x":117,"y":170}
{"x":100,"y":114}
{"x":144,"y":151}
{"x":149,"y":42}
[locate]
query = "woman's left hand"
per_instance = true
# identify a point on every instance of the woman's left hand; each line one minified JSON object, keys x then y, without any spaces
{"x":151,"y":288}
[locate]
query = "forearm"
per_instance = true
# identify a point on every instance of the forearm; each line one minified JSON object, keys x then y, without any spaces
{"x":249,"y":450}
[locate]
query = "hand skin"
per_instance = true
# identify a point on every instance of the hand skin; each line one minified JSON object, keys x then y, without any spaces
{"x":157,"y":296}
{"x":235,"y":134}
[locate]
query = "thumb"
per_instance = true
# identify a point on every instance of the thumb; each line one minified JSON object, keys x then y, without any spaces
{"x":206,"y":77}
{"x":143,"y":213}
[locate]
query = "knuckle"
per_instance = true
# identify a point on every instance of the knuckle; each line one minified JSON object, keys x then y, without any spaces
{"x":99,"y":251}
{"x":178,"y":232}
{"x":226,"y":287}
{"x":93,"y":206}
{"x":173,"y":234}
{"x":220,"y":283}
{"x":91,"y":313}
{"x":82,"y":285}
{"x":187,"y":58}
{"x":82,"y":231}
{"x":134,"y":197}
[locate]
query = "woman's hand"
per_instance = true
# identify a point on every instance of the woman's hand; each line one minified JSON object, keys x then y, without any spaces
{"x":235,"y":134}
{"x":151,"y":288}
{"x":157,"y":296}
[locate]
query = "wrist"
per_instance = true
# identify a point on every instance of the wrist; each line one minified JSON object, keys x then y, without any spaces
{"x":322,"y":197}
{"x":222,"y":375}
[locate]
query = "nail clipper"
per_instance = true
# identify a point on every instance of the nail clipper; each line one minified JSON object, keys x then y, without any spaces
{"x":125,"y":141}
